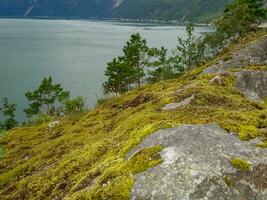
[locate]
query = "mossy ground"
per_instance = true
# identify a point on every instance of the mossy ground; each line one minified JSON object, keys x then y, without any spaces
{"x":84,"y":157}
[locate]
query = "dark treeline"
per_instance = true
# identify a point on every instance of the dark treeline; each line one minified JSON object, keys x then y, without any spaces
{"x":140,"y":64}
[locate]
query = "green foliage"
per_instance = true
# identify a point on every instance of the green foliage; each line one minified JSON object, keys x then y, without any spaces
{"x":74,"y":105}
{"x":163,"y":68}
{"x":255,"y":10}
{"x":135,"y":55}
{"x":229,"y":181}
{"x":239,"y":18}
{"x":128,"y":69}
{"x":1,"y":152}
{"x":263,"y":144}
{"x":118,"y":76}
{"x":8,"y":110}
{"x":180,"y":10}
{"x":189,"y":52}
{"x":45,"y":98}
{"x":240,"y":164}
{"x":139,"y":62}
{"x":40,"y":119}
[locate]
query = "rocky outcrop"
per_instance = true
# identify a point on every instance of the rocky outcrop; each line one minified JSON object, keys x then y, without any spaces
{"x":196,"y":165}
{"x":253,"y":84}
{"x":253,"y":54}
{"x":217,"y":80}
{"x":173,"y":106}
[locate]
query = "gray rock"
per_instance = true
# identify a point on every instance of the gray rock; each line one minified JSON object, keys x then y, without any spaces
{"x":217,"y":80}
{"x":253,"y":54}
{"x":197,"y":163}
{"x":173,"y":106}
{"x":53,"y":124}
{"x":253,"y":84}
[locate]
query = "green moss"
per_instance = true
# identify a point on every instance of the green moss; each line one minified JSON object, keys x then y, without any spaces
{"x":248,"y":132}
{"x":265,"y":101}
{"x":263,"y":144}
{"x":254,"y":68}
{"x":229,"y":181}
{"x":257,"y":68}
{"x":1,"y":152}
{"x":119,"y":177}
{"x":240,"y":164}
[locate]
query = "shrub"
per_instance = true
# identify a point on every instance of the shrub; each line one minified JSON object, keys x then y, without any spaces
{"x":8,"y":110}
{"x":74,"y":105}
{"x":40,"y":119}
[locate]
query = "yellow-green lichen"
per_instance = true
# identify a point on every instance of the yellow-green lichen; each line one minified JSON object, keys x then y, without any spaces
{"x":263,"y":144}
{"x":241,"y":164}
{"x":229,"y":181}
{"x":248,"y":132}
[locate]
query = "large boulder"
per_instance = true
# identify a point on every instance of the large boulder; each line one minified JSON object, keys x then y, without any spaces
{"x":197,"y":165}
{"x":253,"y":54}
{"x":174,"y":106}
{"x":253,"y":84}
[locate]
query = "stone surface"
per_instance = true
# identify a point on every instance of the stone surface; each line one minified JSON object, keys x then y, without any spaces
{"x":173,"y":106}
{"x":253,"y":54}
{"x":53,"y":124}
{"x":217,"y":80}
{"x":253,"y":84}
{"x":196,"y":165}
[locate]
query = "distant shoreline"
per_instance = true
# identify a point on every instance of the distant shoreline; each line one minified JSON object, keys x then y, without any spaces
{"x":156,"y":21}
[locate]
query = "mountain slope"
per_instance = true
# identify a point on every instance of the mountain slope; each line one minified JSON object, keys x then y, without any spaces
{"x":100,"y":155}
{"x":198,"y":10}
{"x":56,"y":8}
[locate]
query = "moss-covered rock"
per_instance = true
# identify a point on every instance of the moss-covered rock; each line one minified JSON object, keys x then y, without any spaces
{"x":196,"y":159}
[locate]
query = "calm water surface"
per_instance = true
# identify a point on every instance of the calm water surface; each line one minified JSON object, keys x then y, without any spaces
{"x":73,"y":52}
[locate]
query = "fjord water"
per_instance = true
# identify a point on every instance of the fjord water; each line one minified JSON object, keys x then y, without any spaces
{"x":73,"y":52}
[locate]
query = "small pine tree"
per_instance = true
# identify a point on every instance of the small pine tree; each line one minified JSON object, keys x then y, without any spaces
{"x":161,"y":64}
{"x":189,"y":52}
{"x":119,"y":76}
{"x":45,"y":98}
{"x":135,"y":54}
{"x":8,"y":111}
{"x":129,"y":69}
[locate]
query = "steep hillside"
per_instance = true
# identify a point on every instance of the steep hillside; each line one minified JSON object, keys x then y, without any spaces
{"x":202,"y":151}
{"x":198,"y":10}
{"x":56,"y":8}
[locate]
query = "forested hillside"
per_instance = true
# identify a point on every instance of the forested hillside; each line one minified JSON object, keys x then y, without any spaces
{"x":56,"y":8}
{"x":197,"y":10}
